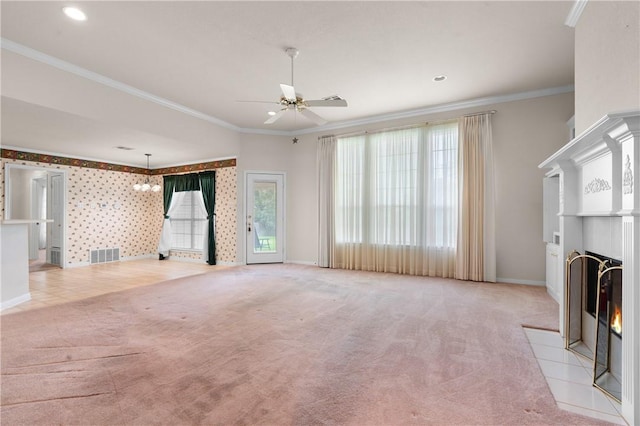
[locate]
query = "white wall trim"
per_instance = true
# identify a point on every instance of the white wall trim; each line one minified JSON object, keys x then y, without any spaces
{"x":517,"y":281}
{"x":98,"y":78}
{"x":302,"y":262}
{"x":574,"y":14}
{"x":453,"y":106}
{"x":15,"y":301}
{"x":114,"y":84}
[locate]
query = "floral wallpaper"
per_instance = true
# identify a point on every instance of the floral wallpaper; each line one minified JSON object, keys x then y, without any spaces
{"x":226,"y":214}
{"x":104,"y":212}
{"x":226,"y":208}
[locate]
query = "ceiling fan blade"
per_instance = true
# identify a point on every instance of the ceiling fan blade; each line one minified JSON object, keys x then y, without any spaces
{"x":313,"y":116}
{"x":289,"y":92}
{"x":275,"y":117}
{"x":326,"y":103}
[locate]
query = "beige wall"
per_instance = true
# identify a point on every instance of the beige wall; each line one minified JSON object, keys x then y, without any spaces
{"x":607,"y":60}
{"x":39,"y":84}
{"x":103,"y":211}
{"x":264,"y":153}
{"x":525,"y":133}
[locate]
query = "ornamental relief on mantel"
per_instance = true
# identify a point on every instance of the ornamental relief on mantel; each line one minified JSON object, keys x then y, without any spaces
{"x":627,"y":178}
{"x":597,"y":185}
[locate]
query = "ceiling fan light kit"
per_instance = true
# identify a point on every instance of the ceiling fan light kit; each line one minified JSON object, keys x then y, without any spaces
{"x":290,"y":100}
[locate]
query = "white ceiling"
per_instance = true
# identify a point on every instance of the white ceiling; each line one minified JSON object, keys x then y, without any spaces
{"x":206,"y":56}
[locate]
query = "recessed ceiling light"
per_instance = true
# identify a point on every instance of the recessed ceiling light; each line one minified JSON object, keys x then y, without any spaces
{"x":440,"y":78}
{"x":74,"y":13}
{"x":271,"y":113}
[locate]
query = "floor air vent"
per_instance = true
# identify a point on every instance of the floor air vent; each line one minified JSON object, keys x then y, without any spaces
{"x":55,"y":257}
{"x":104,"y":255}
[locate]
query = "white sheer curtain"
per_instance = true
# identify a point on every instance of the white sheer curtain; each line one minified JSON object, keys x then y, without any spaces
{"x":326,"y":154}
{"x":199,"y":200}
{"x":395,"y":198}
{"x":476,"y":254}
{"x":166,"y":240}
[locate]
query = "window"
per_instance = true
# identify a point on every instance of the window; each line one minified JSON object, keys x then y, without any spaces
{"x":398,"y":188}
{"x":188,"y":221}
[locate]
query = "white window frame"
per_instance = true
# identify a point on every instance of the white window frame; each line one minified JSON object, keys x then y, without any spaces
{"x":192,"y":220}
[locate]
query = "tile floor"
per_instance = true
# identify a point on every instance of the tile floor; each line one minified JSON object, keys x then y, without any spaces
{"x":569,"y":378}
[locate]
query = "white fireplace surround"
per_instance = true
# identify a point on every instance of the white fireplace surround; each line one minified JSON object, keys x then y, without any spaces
{"x":597,"y":179}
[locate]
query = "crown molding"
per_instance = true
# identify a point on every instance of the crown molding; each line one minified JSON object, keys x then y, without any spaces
{"x":114,"y":84}
{"x":453,"y":106}
{"x":574,"y":14}
{"x":98,"y":78}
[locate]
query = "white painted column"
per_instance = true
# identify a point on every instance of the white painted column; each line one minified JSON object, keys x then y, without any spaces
{"x":628,"y":137}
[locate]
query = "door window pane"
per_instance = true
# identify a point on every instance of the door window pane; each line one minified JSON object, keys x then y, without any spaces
{"x":264,"y":217}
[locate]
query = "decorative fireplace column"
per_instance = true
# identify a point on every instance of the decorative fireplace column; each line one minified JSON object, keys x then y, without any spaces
{"x":597,"y":176}
{"x":628,"y":136}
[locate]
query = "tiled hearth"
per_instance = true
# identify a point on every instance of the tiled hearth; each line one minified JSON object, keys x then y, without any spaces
{"x":569,"y":377}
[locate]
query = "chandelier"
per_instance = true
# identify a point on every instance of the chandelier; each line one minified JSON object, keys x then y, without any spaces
{"x":146,"y":186}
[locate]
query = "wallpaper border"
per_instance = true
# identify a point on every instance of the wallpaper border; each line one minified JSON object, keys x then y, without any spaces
{"x":68,"y":161}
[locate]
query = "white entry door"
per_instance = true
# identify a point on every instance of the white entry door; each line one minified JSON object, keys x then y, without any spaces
{"x":38,"y":231}
{"x":265,"y":217}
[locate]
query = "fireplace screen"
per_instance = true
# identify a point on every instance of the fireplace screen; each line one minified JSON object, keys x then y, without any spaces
{"x":608,"y":353}
{"x":581,"y":290}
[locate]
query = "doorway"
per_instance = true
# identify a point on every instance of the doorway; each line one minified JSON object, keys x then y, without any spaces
{"x":265,"y":217}
{"x":35,"y":194}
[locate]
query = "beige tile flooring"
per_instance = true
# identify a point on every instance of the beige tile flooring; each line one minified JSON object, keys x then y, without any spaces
{"x":569,"y":377}
{"x":57,"y":286}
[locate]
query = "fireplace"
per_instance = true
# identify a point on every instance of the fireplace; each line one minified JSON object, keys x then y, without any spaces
{"x":594,"y":208}
{"x":607,"y":361}
{"x":610,"y":290}
{"x":593,"y":316}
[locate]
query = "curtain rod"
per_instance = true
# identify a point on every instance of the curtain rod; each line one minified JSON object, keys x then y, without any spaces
{"x":411,"y":126}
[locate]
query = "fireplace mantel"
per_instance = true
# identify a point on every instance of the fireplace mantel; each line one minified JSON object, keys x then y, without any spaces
{"x":596,"y":179}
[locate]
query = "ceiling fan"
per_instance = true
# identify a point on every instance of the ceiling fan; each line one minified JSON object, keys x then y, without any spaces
{"x":290,"y":100}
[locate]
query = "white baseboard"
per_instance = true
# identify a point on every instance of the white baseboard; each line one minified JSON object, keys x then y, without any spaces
{"x":302,"y":262}
{"x":15,"y":301}
{"x":524,"y":282}
{"x":189,"y":260}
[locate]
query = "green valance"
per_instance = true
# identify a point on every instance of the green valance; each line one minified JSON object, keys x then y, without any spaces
{"x":188,"y":182}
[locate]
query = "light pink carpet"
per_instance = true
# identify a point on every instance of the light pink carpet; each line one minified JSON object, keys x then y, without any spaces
{"x":281,"y":345}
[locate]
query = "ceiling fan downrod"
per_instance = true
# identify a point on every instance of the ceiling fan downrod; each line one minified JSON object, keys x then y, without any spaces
{"x":293,"y":53}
